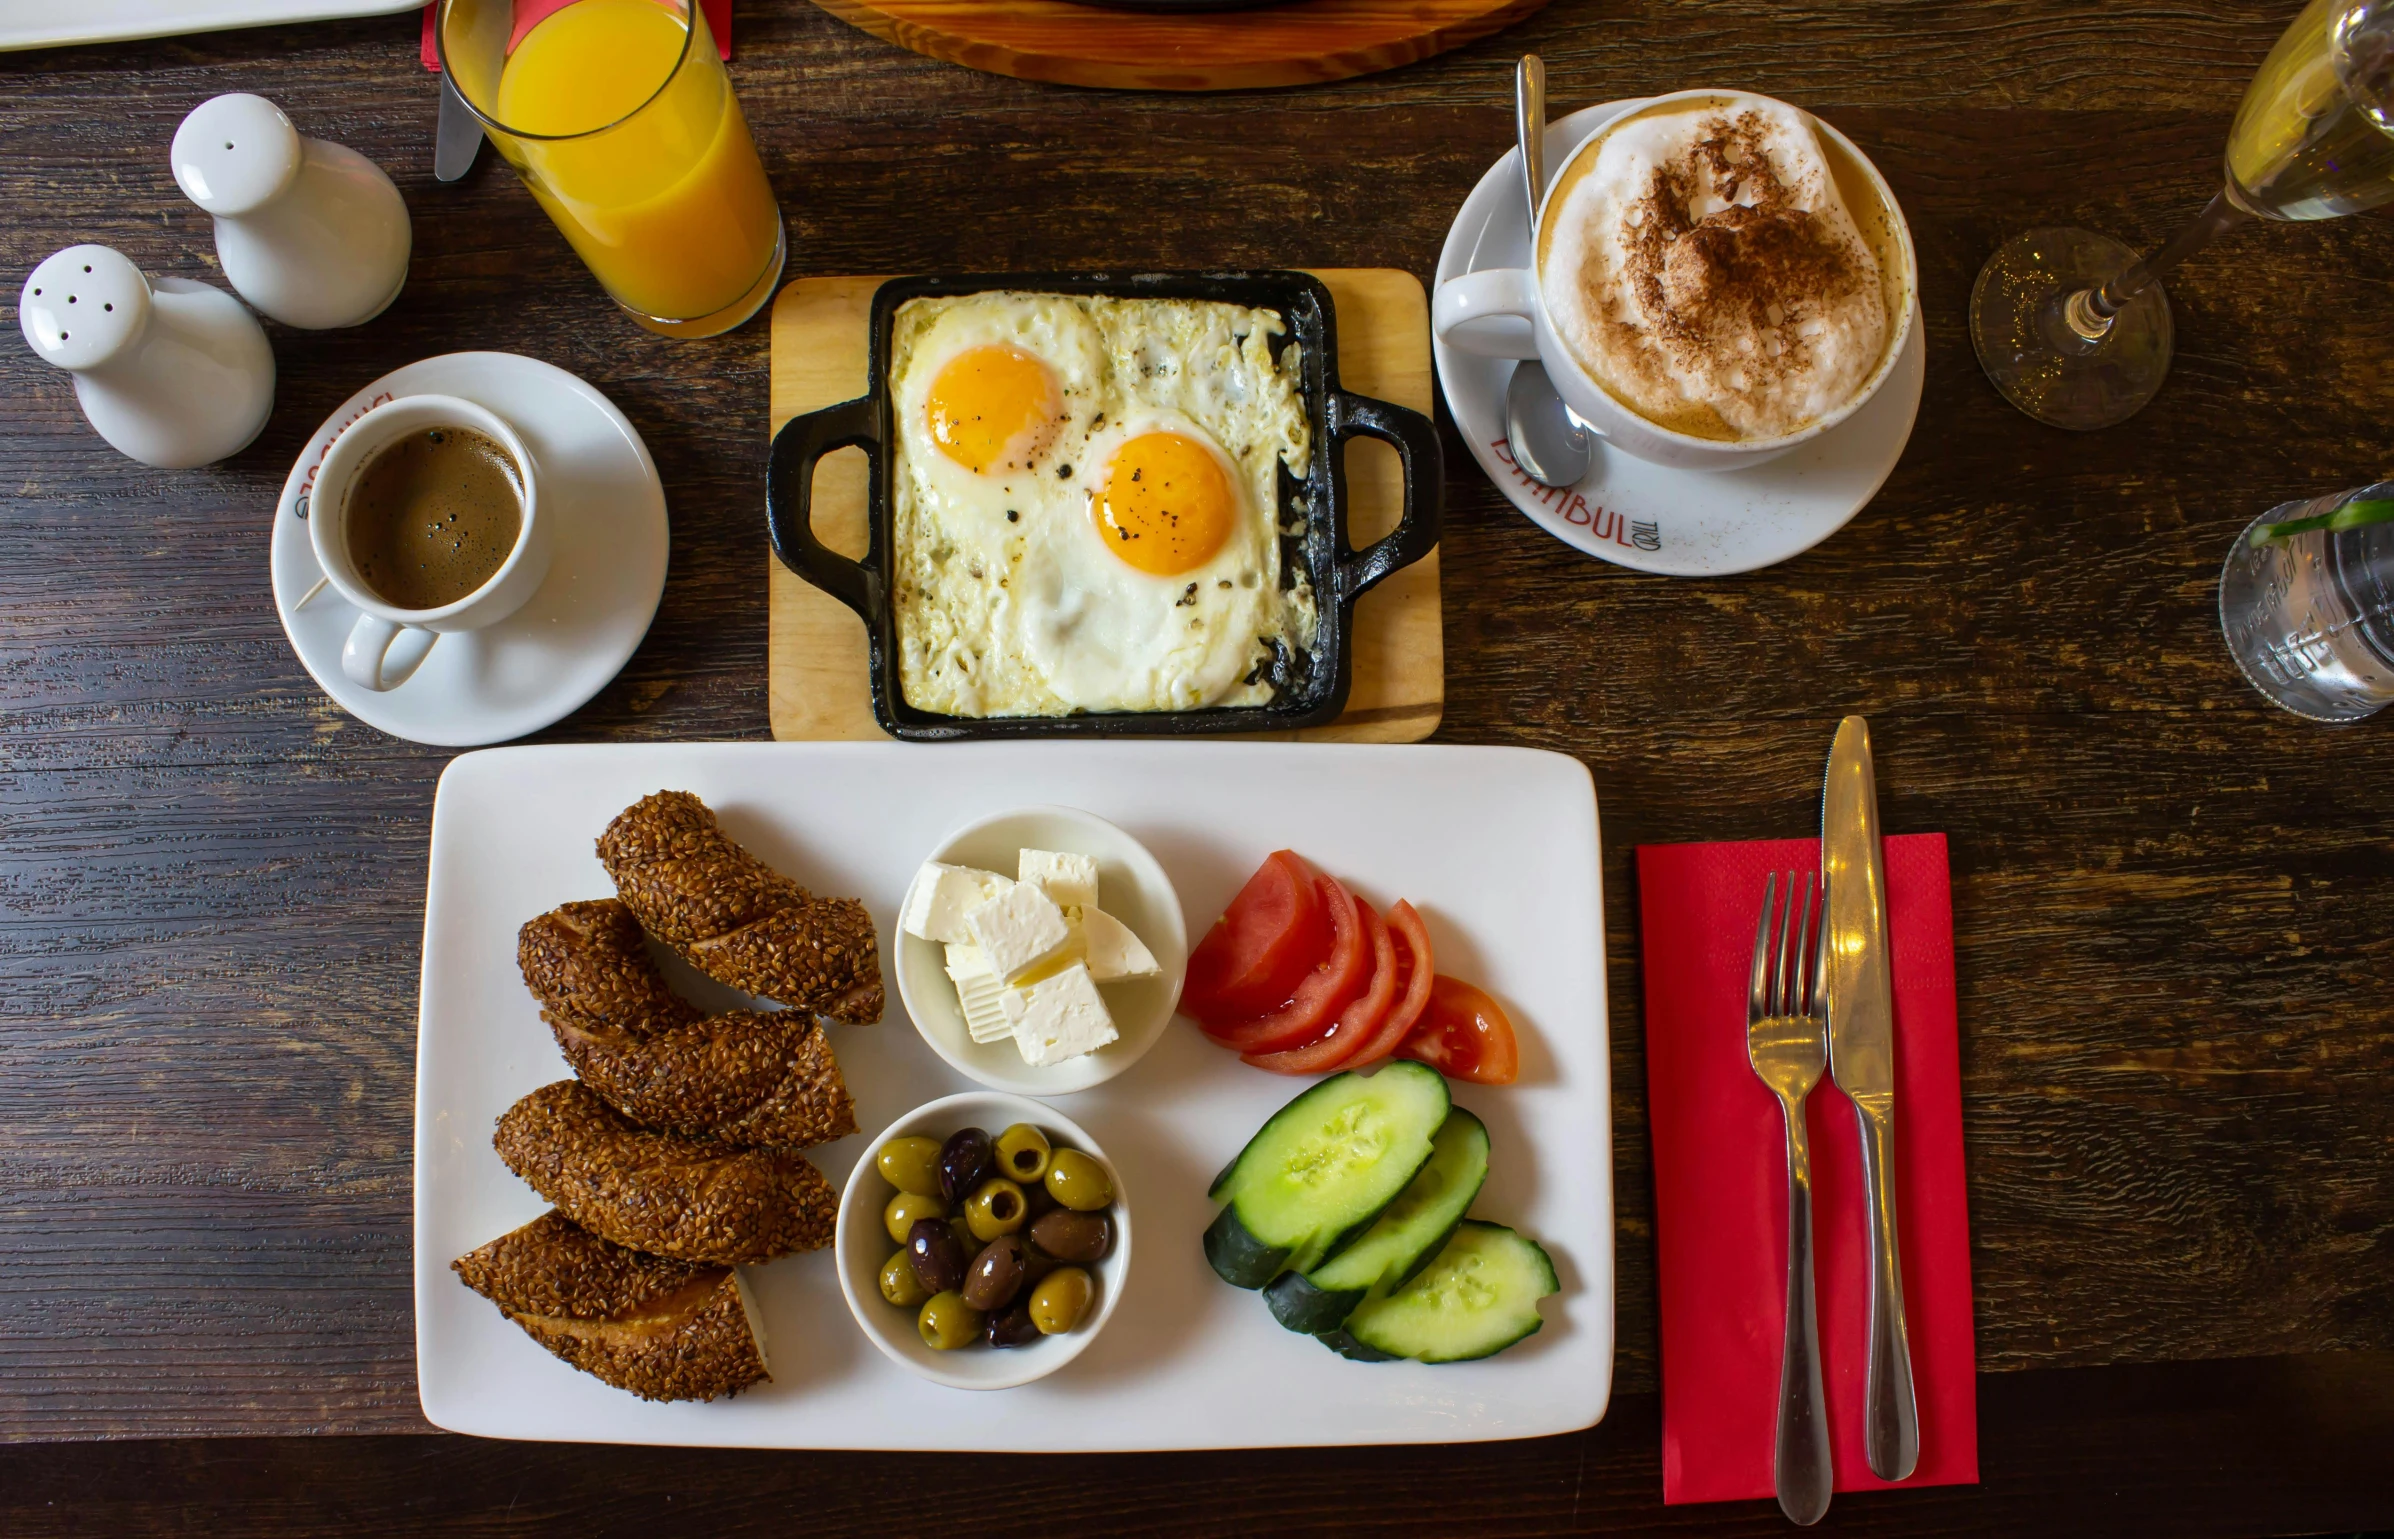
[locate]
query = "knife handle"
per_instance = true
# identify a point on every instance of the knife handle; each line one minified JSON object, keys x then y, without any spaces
{"x":1800,"y":1469}
{"x":1891,"y":1425}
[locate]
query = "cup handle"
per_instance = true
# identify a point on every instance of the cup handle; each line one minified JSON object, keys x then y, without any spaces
{"x":369,"y":642}
{"x":1465,"y":308}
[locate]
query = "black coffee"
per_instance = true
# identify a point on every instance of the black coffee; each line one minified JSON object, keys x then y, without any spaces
{"x":433,"y":515}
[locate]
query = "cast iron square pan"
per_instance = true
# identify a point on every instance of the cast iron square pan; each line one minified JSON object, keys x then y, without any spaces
{"x":1310,"y":688}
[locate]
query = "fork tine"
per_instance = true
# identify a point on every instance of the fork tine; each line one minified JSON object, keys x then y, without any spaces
{"x":1799,"y":976}
{"x":1758,"y":1002}
{"x":1782,"y":978}
{"x":1820,"y":958}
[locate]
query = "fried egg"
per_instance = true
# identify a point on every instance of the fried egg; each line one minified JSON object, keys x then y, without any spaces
{"x":1088,"y":504}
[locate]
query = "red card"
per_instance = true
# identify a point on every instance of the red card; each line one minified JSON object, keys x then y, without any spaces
{"x":1720,"y":1178}
{"x":530,"y":13}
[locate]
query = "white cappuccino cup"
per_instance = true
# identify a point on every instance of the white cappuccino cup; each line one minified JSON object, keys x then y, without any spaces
{"x":1484,"y":312}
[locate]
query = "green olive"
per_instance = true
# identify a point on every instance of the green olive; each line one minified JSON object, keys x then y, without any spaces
{"x":911,"y":1165}
{"x":1022,"y":1153}
{"x":1078,"y":1182}
{"x":947,"y":1322}
{"x":899,"y":1285}
{"x":899,"y":1217}
{"x":997,"y":1208}
{"x":1060,"y":1300}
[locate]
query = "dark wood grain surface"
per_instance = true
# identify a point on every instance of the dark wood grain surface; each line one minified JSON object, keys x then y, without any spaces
{"x":2177,"y":1036}
{"x":2276,"y":1445}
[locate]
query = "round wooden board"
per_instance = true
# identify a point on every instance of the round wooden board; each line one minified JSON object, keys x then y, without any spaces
{"x":1294,"y":44}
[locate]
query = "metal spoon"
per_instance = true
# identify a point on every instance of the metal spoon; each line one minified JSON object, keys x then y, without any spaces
{"x":1547,"y":438}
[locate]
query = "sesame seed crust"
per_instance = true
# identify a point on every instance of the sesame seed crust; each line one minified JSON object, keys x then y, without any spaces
{"x":660,"y":1328}
{"x":693,"y":1199}
{"x":735,"y":918}
{"x":751,"y":1077}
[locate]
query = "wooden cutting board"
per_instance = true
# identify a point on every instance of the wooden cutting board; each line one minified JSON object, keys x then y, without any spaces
{"x":1277,"y":45}
{"x":816,"y":649}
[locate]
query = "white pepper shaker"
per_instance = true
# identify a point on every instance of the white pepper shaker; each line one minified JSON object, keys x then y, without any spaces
{"x":173,"y":373}
{"x":311,"y":233}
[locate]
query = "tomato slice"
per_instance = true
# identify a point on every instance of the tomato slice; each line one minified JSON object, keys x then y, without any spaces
{"x":1414,"y":977}
{"x":1274,"y":932}
{"x":1360,"y":1020}
{"x":1323,"y":993}
{"x":1465,"y":1035}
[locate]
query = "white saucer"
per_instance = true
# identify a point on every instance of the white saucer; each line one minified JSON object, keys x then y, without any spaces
{"x":542,"y":662}
{"x":1682,"y":523}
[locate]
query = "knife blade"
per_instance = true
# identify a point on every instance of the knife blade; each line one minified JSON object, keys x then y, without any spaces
{"x":1862,"y":1061}
{"x":459,"y":137}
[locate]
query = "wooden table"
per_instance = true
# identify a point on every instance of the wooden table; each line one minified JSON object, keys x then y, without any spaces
{"x":2178,"y":1043}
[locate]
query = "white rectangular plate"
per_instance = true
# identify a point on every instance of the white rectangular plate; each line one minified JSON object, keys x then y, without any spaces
{"x":31,"y":24}
{"x":1496,"y":846}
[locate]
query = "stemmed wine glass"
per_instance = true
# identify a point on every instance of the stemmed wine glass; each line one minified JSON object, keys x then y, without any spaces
{"x":2073,"y":327}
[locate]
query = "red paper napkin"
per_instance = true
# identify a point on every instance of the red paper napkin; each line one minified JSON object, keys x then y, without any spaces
{"x":1720,"y":1178}
{"x":530,"y":13}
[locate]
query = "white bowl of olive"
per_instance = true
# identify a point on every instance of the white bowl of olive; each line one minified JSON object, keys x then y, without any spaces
{"x":983,"y":1240}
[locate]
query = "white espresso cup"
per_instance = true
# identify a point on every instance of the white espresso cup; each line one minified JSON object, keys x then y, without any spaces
{"x":1482,"y":313}
{"x":379,"y":623}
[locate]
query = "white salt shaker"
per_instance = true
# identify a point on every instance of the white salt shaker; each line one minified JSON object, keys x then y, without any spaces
{"x":173,"y":373}
{"x":311,"y":233}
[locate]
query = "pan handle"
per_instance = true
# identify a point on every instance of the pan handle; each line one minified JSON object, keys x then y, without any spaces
{"x":1415,"y":439}
{"x":789,"y":501}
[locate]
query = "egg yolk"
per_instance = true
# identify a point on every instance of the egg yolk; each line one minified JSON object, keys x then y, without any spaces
{"x":1166,"y":506}
{"x":993,"y":407}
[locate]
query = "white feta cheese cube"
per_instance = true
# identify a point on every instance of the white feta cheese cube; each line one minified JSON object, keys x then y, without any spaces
{"x":1062,"y":1018}
{"x":979,"y":994}
{"x":1111,"y":950}
{"x":943,"y":896}
{"x":1018,"y":930}
{"x":985,"y":1017}
{"x":1069,"y":879}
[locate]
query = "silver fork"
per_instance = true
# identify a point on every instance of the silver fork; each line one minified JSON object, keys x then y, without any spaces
{"x":1787,"y":1038}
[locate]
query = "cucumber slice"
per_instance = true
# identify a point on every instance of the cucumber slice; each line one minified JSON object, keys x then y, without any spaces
{"x":1348,"y":1347}
{"x":1401,"y":1242}
{"x":1478,"y":1298}
{"x":1315,"y":1176}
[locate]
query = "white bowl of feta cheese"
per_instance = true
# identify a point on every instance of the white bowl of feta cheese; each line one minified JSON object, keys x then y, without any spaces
{"x":1040,"y":951}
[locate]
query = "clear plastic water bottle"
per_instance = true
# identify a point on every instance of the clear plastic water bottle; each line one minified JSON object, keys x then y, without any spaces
{"x":2306,"y":602}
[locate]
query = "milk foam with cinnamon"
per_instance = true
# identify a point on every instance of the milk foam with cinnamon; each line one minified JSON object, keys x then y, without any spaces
{"x":1704,"y":268}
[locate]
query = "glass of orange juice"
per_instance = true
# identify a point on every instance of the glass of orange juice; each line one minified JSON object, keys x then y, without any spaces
{"x":619,"y":116}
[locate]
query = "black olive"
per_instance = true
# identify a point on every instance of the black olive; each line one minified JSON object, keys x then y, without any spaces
{"x":995,"y":1276}
{"x":965,"y":1161}
{"x":938,"y":1258}
{"x":1013,"y":1327}
{"x":1070,"y":1236}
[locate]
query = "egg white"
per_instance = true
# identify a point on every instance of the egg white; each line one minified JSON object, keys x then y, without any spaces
{"x":1046,"y":326}
{"x":1100,"y":629}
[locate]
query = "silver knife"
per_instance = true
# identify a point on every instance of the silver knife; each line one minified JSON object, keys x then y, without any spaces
{"x":1862,"y":1061}
{"x":459,"y":138}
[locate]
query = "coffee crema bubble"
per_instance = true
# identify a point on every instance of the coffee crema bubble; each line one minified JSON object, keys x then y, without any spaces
{"x":434,"y":515}
{"x":1702,"y":264}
